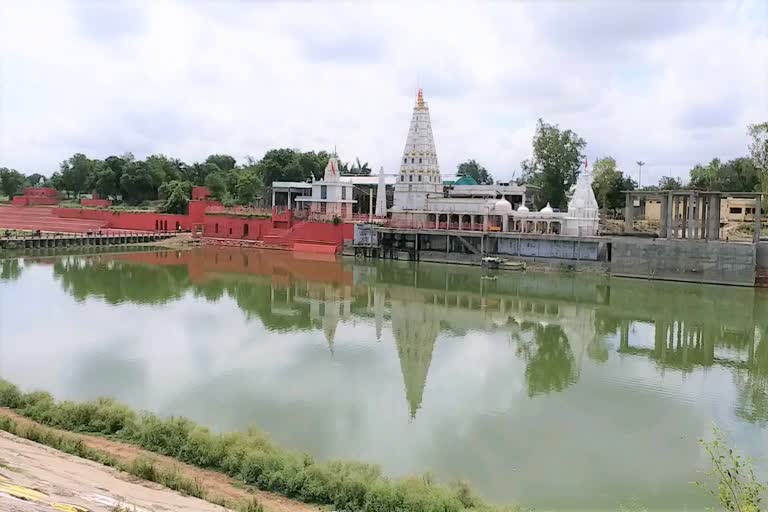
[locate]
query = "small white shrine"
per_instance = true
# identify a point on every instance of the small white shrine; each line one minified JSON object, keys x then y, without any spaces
{"x":330,"y":197}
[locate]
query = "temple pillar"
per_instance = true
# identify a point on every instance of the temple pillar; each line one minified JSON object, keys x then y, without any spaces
{"x":758,"y":214}
{"x":628,"y":211}
{"x":273,"y":198}
{"x":505,"y":223}
{"x":485,"y":223}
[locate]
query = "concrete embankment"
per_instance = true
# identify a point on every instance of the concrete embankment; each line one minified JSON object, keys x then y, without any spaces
{"x":56,"y":477}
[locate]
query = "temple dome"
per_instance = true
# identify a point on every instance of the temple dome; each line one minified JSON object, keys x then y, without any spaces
{"x":547,"y":209}
{"x":502,"y":206}
{"x":523,"y":209}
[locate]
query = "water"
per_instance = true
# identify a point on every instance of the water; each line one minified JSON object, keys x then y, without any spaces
{"x":558,"y":392}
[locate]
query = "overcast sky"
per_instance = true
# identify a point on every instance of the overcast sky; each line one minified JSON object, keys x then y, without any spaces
{"x":670,"y":83}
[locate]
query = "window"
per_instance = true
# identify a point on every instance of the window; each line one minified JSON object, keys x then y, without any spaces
{"x":419,"y":160}
{"x":419,"y":177}
{"x":402,"y":178}
{"x":749,"y":210}
{"x":323,"y":207}
{"x":410,"y":177}
{"x":245,"y":233}
{"x":323,"y":191}
{"x":405,"y":160}
{"x":216,"y":228}
{"x":735,"y":210}
{"x":343,"y":193}
{"x":413,"y":160}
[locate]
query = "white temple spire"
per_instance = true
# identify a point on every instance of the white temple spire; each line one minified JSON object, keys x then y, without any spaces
{"x":381,"y":195}
{"x":419,"y":170}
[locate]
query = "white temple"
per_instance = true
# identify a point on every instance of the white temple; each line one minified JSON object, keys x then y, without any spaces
{"x":422,"y":202}
{"x":330,"y":197}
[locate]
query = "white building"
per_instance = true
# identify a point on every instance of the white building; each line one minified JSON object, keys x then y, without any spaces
{"x":422,"y":202}
{"x":330,"y":197}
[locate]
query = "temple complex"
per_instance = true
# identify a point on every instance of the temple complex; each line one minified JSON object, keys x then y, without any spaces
{"x":422,"y":201}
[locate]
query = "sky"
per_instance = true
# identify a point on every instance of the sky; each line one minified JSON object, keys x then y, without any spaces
{"x":670,"y":83}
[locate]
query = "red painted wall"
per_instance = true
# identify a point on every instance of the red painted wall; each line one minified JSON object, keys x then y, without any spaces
{"x":99,"y":203}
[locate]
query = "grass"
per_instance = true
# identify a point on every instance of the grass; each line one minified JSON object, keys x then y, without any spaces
{"x":249,"y":457}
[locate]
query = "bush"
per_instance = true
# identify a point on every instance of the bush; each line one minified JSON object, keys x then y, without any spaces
{"x":248,"y":456}
{"x":10,"y":396}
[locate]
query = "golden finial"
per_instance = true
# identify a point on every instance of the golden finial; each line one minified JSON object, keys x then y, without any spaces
{"x":420,"y":99}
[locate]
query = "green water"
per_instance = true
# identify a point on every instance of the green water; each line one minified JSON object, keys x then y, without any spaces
{"x":557,"y":392}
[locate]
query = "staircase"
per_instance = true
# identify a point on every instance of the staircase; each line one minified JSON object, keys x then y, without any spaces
{"x":40,"y":217}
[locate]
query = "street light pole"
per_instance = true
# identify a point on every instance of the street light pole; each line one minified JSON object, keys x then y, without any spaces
{"x":640,"y":165}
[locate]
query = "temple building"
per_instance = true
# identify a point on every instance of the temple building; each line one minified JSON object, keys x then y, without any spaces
{"x":423,"y":201}
{"x":331,"y":198}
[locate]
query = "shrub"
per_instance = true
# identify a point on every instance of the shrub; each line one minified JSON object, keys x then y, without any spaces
{"x":737,"y":489}
{"x":7,"y":424}
{"x":10,"y":396}
{"x":248,"y":456}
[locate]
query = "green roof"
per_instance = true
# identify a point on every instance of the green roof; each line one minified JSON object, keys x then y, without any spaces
{"x":466,"y":180}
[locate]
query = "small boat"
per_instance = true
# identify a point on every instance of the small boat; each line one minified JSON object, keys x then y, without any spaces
{"x":491,"y":262}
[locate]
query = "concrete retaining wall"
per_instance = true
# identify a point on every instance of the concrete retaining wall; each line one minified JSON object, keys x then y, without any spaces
{"x":546,"y":248}
{"x":685,"y":260}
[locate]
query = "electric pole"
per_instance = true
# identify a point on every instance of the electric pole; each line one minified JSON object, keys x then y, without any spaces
{"x":640,"y":165}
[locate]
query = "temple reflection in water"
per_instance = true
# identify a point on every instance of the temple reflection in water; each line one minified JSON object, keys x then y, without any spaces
{"x":553,"y":322}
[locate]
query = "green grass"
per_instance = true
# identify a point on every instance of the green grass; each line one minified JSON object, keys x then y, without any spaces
{"x":249,"y":457}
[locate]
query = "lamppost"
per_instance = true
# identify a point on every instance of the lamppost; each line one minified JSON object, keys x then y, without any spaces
{"x":640,"y":165}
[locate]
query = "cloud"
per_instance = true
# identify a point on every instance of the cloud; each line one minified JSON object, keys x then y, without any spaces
{"x":671,"y":83}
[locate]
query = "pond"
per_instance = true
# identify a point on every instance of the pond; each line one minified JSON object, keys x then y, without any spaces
{"x":559,"y":392}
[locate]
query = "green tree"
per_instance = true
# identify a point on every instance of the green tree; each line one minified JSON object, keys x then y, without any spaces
{"x":360,"y":169}
{"x":706,"y":177}
{"x":11,"y":182}
{"x":76,"y":173}
{"x":137,"y":183}
{"x":670,"y":183}
{"x":223,"y":162}
{"x":177,"y":195}
{"x":34,"y":180}
{"x":217,"y":184}
{"x":739,"y":175}
{"x":758,"y":150}
{"x":608,"y":183}
{"x":473,"y":169}
{"x":104,"y":182}
{"x":249,"y":187}
{"x":557,"y":158}
{"x":163,"y":169}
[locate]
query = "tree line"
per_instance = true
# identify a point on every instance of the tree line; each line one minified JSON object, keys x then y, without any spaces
{"x":158,"y":177}
{"x":558,"y":157}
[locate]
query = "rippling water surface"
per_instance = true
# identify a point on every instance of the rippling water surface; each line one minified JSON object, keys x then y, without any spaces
{"x":558,"y":392}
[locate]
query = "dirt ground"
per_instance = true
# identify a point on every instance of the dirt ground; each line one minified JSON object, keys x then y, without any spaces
{"x":52,"y":477}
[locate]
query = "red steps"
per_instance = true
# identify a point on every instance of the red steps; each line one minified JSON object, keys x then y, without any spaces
{"x":43,"y":218}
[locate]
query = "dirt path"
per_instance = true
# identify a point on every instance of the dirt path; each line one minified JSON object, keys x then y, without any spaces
{"x":46,"y":466}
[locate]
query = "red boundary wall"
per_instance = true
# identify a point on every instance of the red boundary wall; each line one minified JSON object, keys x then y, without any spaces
{"x":319,"y":237}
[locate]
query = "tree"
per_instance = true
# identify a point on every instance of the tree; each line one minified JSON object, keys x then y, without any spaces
{"x":758,"y":150}
{"x":11,"y":182}
{"x":137,"y":183}
{"x":223,"y":162}
{"x":249,"y":186}
{"x":557,"y":158}
{"x":163,"y":169}
{"x":34,"y":180}
{"x":359,"y":169}
{"x":476,"y":171}
{"x":217,"y":184}
{"x":104,"y":182}
{"x":669,"y":183}
{"x":76,"y":172}
{"x":609,"y":183}
{"x":177,"y":195}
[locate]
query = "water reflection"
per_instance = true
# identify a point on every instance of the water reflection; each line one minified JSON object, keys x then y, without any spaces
{"x":441,"y":368}
{"x":552,"y":321}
